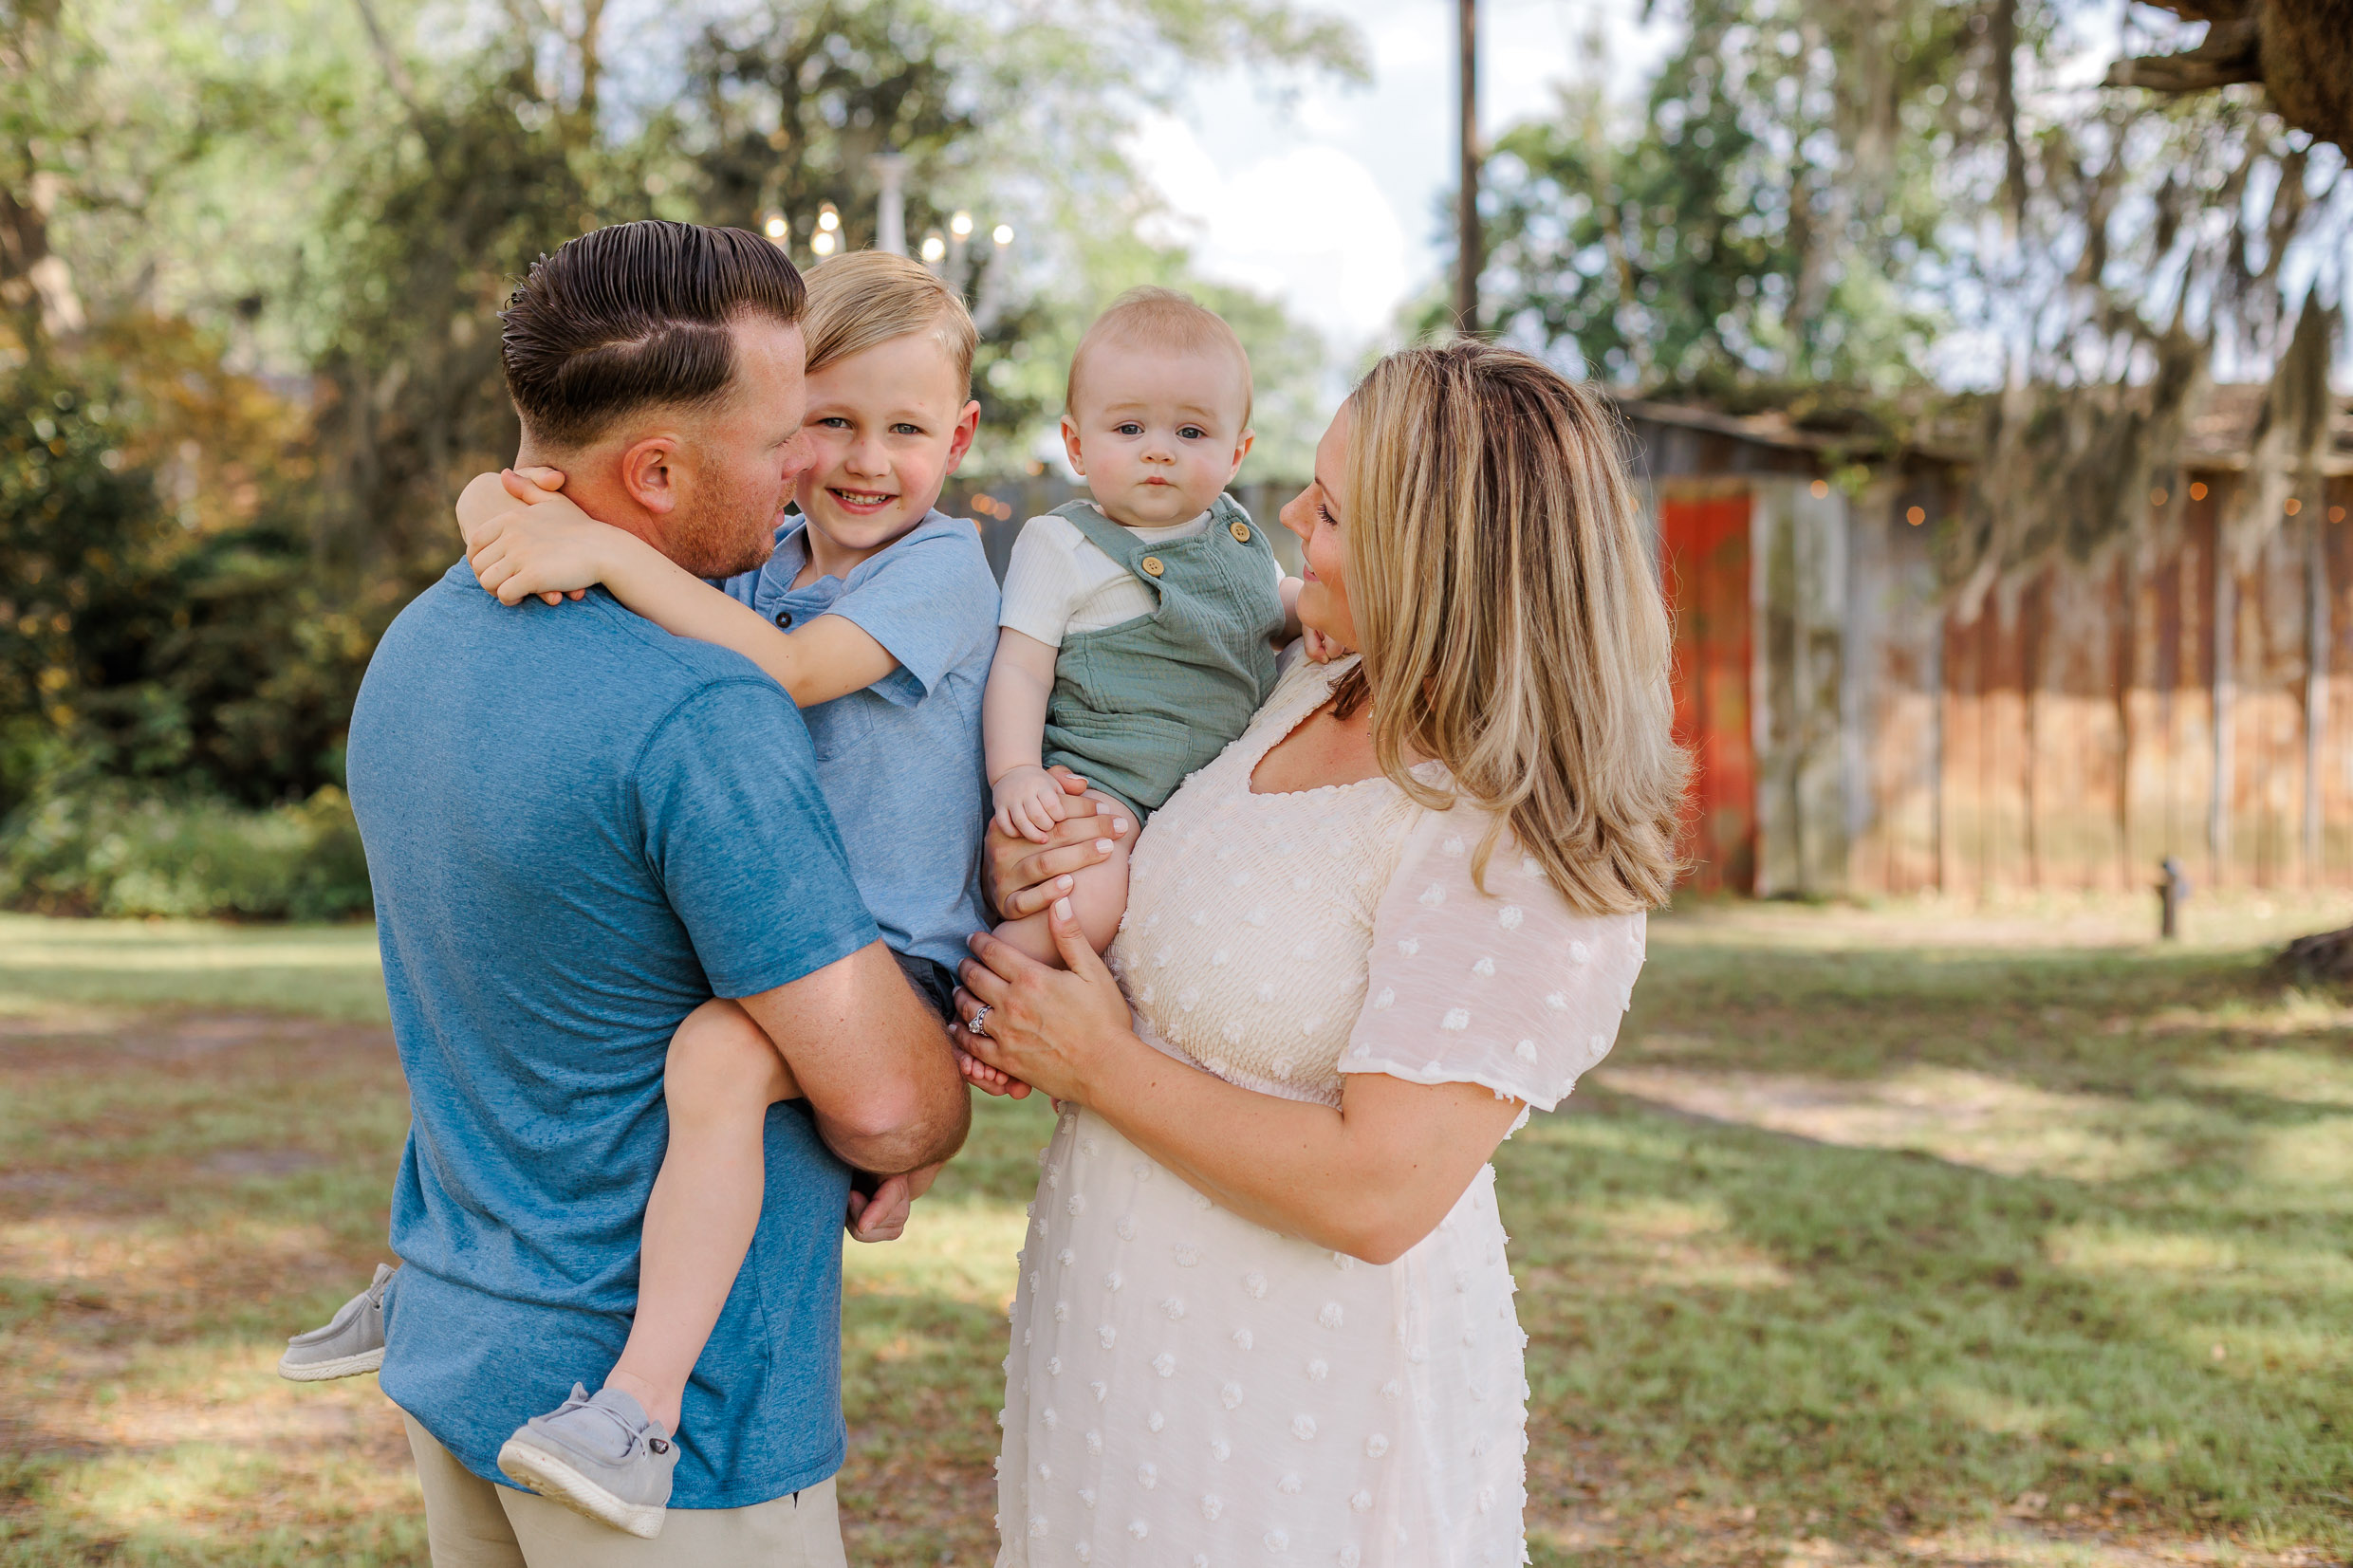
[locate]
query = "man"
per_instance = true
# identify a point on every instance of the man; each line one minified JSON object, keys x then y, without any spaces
{"x":580,"y":827}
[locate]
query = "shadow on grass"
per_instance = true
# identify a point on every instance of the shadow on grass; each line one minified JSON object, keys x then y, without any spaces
{"x":1859,"y":1340}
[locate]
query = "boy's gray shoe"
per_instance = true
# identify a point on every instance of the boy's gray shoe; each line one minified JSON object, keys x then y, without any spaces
{"x":352,"y":1341}
{"x":602,"y":1457}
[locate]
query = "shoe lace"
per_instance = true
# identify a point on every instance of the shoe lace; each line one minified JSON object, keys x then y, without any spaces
{"x":631,"y":1435}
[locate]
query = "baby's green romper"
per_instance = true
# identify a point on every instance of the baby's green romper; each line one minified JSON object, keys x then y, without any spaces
{"x":1137,"y":705}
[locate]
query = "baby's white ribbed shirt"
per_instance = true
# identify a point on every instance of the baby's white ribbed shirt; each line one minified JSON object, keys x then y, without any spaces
{"x":1060,"y":583}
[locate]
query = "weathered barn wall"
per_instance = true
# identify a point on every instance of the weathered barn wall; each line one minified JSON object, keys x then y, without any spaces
{"x":1895,"y":675}
{"x":2097,"y":713}
{"x":1800,"y":596}
{"x":1704,"y":534}
{"x":2176,"y":694}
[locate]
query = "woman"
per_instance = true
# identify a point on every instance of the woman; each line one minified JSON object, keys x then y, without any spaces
{"x":1264,"y":1306}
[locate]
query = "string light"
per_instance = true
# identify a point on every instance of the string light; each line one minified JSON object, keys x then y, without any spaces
{"x":1916,"y":516}
{"x":961,"y":226}
{"x":2294,"y":506}
{"x":823,"y":242}
{"x":776,"y":226}
{"x":2198,"y":491}
{"x":1003,"y":234}
{"x":827,"y":219}
{"x":933,"y":247}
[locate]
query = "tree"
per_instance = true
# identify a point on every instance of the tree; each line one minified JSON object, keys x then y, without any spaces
{"x":1756,"y":224}
{"x":2300,"y":50}
{"x":1819,"y":188}
{"x":259,"y":249}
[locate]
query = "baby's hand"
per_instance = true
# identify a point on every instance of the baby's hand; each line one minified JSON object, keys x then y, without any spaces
{"x":549,"y":548}
{"x":1319,"y":648}
{"x":988,"y":1079}
{"x":1029,"y":801}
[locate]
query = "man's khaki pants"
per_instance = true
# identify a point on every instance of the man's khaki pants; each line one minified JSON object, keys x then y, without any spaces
{"x":471,"y":1524}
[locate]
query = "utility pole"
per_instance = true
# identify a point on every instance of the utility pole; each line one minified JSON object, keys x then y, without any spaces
{"x":1469,"y":243}
{"x":890,"y":225}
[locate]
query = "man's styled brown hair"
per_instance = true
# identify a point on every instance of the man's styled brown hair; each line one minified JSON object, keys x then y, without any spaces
{"x":636,"y":315}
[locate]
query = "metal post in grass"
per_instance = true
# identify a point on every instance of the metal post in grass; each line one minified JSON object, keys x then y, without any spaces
{"x":2172,"y":891}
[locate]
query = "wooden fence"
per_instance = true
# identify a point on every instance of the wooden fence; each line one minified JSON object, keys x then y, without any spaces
{"x":2164,"y":698}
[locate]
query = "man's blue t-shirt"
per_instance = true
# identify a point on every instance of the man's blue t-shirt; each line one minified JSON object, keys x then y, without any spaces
{"x":900,"y":761}
{"x":578,"y":828}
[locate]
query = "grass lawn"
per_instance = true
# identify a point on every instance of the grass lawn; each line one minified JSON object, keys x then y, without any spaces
{"x":1910,"y":1235}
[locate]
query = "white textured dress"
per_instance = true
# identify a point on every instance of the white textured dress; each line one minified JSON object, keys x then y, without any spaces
{"x":1188,"y":1387}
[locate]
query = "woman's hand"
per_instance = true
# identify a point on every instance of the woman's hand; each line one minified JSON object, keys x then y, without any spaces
{"x":1022,"y":877}
{"x":1046,"y":1027}
{"x":548,"y":548}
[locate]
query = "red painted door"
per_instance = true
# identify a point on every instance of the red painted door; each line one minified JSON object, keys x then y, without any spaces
{"x":1704,"y":545}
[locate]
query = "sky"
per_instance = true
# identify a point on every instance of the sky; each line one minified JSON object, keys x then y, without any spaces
{"x":1326,"y":195}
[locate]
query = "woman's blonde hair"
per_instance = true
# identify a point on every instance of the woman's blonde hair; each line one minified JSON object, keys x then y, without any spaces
{"x":868,"y":298}
{"x":1510,"y":617}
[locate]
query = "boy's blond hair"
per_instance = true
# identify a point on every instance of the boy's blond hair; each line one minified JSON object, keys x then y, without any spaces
{"x":1164,"y":320}
{"x":867,"y":298}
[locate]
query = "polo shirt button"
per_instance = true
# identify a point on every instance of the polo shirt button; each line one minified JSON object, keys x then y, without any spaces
{"x":784,"y":619}
{"x":1240,"y":532}
{"x":1153,"y":567}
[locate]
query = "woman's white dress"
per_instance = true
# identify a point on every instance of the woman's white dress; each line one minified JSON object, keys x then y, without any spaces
{"x":1188,"y":1387}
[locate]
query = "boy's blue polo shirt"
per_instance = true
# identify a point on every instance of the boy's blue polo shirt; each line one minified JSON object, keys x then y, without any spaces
{"x":900,"y":761}
{"x":578,"y":828}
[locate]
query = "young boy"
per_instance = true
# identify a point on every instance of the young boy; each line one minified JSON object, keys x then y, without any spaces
{"x":877,"y":614}
{"x":1139,"y":629}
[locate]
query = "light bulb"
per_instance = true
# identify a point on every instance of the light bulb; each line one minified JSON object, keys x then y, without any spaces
{"x":1003,"y":234}
{"x":933,"y":247}
{"x":961,"y":226}
{"x":776,"y":226}
{"x":828,"y":220}
{"x":823,"y":242}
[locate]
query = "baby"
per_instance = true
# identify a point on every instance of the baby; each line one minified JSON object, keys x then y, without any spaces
{"x":877,"y":614}
{"x":1139,"y":628}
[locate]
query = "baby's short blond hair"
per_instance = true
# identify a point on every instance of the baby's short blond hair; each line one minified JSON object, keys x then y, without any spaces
{"x":1164,"y":320}
{"x":867,"y":298}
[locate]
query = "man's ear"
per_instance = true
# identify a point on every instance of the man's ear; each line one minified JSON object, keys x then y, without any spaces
{"x":1070,"y":444}
{"x":653,"y":473}
{"x":967,"y":426}
{"x":1241,"y":449}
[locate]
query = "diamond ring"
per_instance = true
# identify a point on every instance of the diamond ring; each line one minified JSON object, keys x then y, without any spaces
{"x":978,"y":1023}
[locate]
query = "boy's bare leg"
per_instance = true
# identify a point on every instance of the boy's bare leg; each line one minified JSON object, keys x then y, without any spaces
{"x":723,"y":1075}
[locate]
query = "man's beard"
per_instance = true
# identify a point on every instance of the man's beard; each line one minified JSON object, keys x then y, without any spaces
{"x":734,"y":531}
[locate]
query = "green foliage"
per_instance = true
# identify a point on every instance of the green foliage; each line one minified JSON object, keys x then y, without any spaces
{"x":251,"y":257}
{"x":69,"y":519}
{"x":1762,"y":217}
{"x":138,"y":643}
{"x":104,"y":847}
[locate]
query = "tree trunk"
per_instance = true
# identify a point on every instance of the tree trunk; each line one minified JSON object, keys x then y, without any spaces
{"x":2301,"y":51}
{"x":2325,"y":958}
